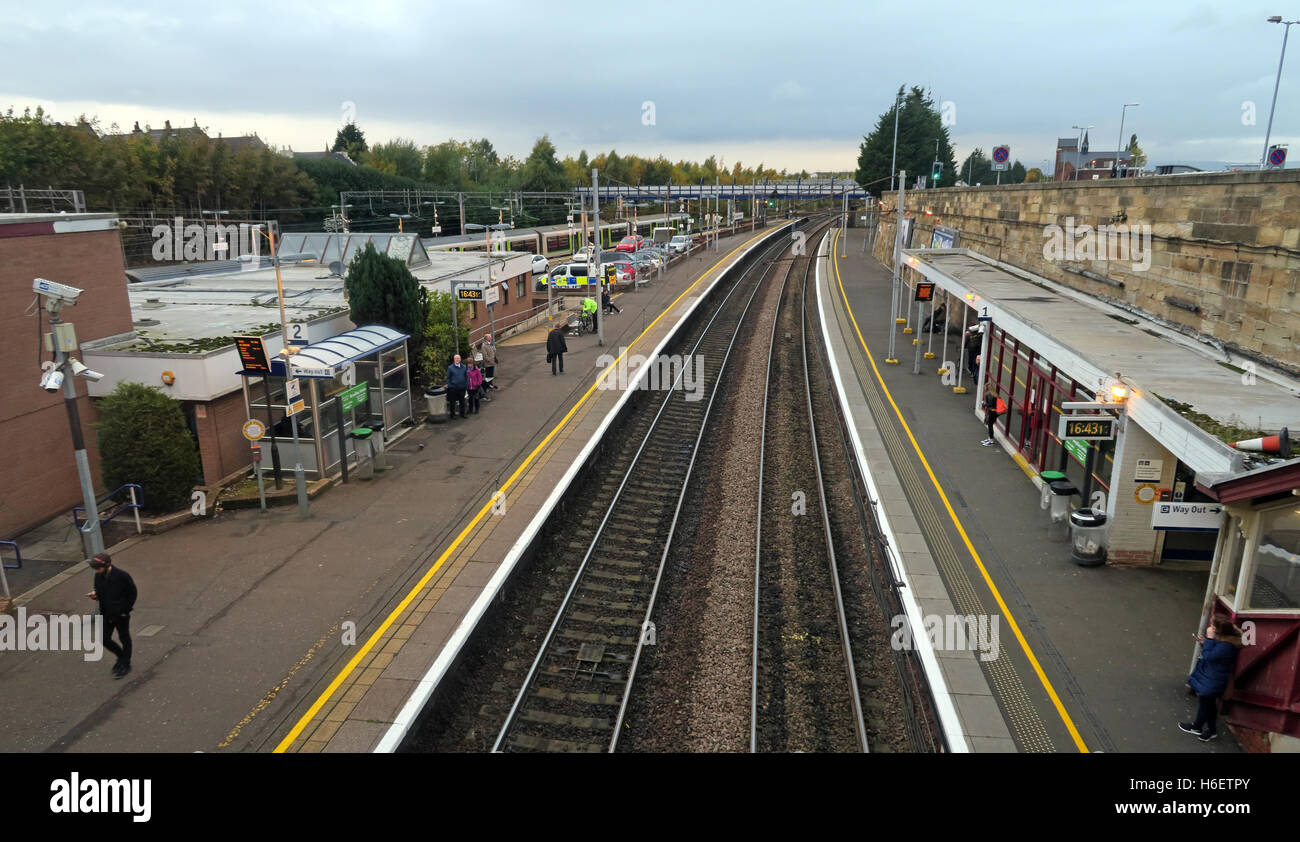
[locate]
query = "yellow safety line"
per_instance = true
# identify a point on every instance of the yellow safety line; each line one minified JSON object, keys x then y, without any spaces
{"x":429,"y":574}
{"x":988,"y":580}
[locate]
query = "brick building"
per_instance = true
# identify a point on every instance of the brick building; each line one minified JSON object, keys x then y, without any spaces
{"x":81,"y":250}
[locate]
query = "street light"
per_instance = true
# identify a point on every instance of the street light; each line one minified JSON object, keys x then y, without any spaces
{"x":1118,"y":146}
{"x":1286,"y":30}
{"x":399,"y":217}
{"x":437,"y":229}
{"x":1078,"y":149}
{"x":898,"y":106}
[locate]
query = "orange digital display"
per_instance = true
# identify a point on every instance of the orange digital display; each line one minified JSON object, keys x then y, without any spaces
{"x":252,"y":354}
{"x":924,"y":291}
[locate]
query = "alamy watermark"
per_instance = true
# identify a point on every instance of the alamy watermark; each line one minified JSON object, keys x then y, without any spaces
{"x":83,"y":633}
{"x":666,"y":371}
{"x":953,"y":633}
{"x":1114,"y":243}
{"x":178,"y":241}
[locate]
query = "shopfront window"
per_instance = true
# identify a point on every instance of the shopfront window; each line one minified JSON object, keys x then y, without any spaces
{"x":1275,"y":581}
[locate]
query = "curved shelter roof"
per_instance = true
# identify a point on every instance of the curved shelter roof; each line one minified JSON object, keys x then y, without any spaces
{"x":347,"y":347}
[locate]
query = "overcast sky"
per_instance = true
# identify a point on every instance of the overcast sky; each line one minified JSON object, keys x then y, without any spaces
{"x":792,"y":85}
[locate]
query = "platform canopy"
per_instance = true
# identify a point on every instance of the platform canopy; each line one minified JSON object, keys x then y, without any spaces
{"x":343,"y":247}
{"x":338,"y":351}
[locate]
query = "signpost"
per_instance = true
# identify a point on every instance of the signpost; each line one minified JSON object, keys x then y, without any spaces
{"x":293,"y":396}
{"x":297,"y":335}
{"x":463,"y":291}
{"x":1277,"y":156}
{"x":924,"y":291}
{"x":1187,"y":517}
{"x":252,"y":355}
{"x":1001,"y":160}
{"x":351,"y":398}
{"x":253,"y":431}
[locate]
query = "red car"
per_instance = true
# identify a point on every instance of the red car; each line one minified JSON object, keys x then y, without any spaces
{"x":630,"y":243}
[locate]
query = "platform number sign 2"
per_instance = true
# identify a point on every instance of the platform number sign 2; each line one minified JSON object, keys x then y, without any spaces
{"x":297,"y":334}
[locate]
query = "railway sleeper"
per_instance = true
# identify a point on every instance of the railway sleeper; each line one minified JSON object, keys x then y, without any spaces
{"x":577,"y":638}
{"x":584,"y":697}
{"x":528,"y":742}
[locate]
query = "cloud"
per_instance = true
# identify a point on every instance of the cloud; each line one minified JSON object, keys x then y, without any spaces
{"x":788,"y":90}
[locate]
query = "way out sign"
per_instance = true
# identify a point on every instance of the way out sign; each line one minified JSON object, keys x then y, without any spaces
{"x":1187,"y":517}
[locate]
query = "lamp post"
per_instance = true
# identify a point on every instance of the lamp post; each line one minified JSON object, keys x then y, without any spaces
{"x":455,"y":320}
{"x":1078,"y":149}
{"x":437,"y":228}
{"x":1286,"y":30}
{"x":399,"y":217}
{"x":1119,"y":146}
{"x":342,"y":218}
{"x":898,"y":106}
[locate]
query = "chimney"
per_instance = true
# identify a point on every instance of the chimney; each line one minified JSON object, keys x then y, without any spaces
{"x":136,"y":130}
{"x":167,"y":125}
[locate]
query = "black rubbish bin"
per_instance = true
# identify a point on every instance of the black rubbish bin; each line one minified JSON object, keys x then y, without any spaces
{"x":1088,"y":533}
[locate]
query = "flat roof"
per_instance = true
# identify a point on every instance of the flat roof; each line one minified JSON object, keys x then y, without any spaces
{"x":1094,"y":346}
{"x":187,"y":312}
{"x":55,"y":223}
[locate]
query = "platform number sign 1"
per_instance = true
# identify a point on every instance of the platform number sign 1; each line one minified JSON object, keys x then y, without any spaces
{"x":1001,"y":157}
{"x":1277,"y":156}
{"x":298,"y":334}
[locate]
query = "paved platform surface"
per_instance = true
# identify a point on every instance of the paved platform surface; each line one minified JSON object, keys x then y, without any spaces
{"x":245,"y":623}
{"x":1114,"y":645}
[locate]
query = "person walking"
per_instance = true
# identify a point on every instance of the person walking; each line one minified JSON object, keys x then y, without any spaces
{"x":457,"y":383}
{"x":993,"y":407}
{"x":1209,"y":679}
{"x":475,"y":378}
{"x":114,"y":590}
{"x":608,"y":302}
{"x":488,"y":349}
{"x":556,"y":348}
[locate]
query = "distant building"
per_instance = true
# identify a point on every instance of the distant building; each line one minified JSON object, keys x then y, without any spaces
{"x":1075,"y":162}
{"x":334,"y":156}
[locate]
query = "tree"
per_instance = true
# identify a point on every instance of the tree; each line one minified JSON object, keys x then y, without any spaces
{"x":381,"y":290}
{"x":919,"y":126}
{"x":438,"y":343}
{"x":397,"y":157}
{"x":143,"y":438}
{"x":1139,"y":158}
{"x":351,"y":141}
{"x":541,"y":172}
{"x":1034,"y":174}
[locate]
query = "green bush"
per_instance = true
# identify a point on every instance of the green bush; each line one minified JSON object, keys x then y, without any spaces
{"x":143,"y":439}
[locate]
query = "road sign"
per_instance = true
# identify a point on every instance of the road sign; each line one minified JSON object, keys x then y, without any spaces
{"x":491,"y":295}
{"x":1088,"y":427}
{"x":354,"y":397}
{"x":437,"y":229}
{"x":252,"y":353}
{"x":254,"y":429}
{"x":1277,"y":156}
{"x":924,"y":291}
{"x":469,"y":293}
{"x":297,"y":335}
{"x":1001,"y":158}
{"x":293,"y":396}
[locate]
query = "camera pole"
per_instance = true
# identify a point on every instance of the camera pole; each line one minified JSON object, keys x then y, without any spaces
{"x":92,"y":535}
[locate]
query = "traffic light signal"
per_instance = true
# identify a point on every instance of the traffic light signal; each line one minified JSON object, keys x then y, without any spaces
{"x":937,"y":173}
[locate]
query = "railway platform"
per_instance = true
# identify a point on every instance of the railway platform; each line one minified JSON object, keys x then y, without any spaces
{"x":262,"y":632}
{"x":1088,"y":659}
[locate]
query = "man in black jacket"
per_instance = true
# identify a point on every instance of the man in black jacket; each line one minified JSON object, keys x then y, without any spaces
{"x":115,"y":592}
{"x":556,"y":348}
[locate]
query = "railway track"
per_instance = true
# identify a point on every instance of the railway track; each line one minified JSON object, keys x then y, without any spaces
{"x":805,"y":692}
{"x":574,"y":694}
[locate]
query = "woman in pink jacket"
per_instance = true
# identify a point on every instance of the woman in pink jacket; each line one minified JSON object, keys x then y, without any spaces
{"x":475,"y":385}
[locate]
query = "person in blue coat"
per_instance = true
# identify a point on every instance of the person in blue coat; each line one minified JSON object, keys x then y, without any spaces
{"x":1210,"y":677}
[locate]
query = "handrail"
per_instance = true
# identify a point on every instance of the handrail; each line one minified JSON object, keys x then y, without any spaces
{"x":13,"y":544}
{"x":134,"y":505}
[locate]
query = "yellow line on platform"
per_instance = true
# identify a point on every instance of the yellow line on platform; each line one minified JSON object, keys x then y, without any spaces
{"x":961,"y":530}
{"x":397,"y":612}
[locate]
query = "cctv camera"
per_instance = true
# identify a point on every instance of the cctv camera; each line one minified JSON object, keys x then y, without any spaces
{"x":52,"y":380}
{"x":51,"y":289}
{"x":79,"y":368}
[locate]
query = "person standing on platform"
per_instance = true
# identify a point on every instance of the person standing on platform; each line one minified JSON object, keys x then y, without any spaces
{"x":590,"y":310}
{"x":1210,"y":677}
{"x":488,"y":349}
{"x":457,"y":383}
{"x":993,"y":407}
{"x":556,"y":348}
{"x":475,"y":378}
{"x":114,"y":590}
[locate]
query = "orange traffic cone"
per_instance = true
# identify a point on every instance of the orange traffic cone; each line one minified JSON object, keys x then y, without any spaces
{"x":1281,"y":443}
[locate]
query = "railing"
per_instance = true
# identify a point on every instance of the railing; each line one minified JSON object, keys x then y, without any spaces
{"x":16,"y":553}
{"x":133,"y":505}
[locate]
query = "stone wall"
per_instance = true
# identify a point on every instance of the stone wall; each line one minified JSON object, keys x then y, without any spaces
{"x":1224,"y":255}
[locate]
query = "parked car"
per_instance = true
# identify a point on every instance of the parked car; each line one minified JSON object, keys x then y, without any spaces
{"x":630,"y":243}
{"x":680,"y":244}
{"x":541,"y":265}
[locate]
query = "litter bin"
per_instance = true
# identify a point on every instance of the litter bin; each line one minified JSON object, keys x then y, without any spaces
{"x":436,"y":398}
{"x":1062,"y":490}
{"x":1088,"y":531}
{"x":359,"y":435}
{"x":1048,"y":477}
{"x":376,"y":426}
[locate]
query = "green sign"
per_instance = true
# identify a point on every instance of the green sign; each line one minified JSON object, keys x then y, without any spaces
{"x":1075,"y":446}
{"x":355,"y":396}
